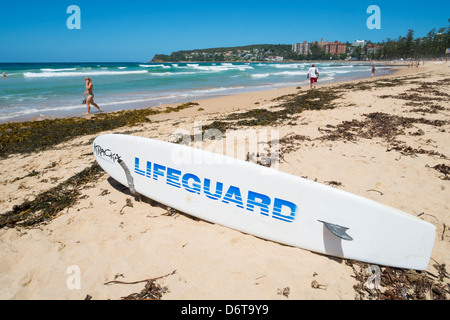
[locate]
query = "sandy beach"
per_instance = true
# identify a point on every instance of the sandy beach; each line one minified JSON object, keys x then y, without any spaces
{"x":384,"y":138}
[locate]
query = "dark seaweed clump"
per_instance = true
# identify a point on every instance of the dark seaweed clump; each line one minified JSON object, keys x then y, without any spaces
{"x":48,"y":204}
{"x":294,"y":104}
{"x":377,"y":125}
{"x":401,"y":284}
{"x":151,"y":291}
{"x":33,"y":136}
{"x":368,"y":85}
{"x":424,"y":92}
{"x":444,"y":169}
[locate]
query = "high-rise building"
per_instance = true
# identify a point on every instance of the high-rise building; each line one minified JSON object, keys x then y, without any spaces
{"x":336,"y":48}
{"x":333,"y":47}
{"x":301,"y":48}
{"x":358,"y":43}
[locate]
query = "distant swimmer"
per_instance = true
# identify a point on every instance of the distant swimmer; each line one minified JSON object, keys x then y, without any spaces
{"x":90,"y":96}
{"x":4,"y":75}
{"x":313,"y":75}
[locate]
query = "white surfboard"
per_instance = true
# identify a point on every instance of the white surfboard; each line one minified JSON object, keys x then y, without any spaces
{"x":266,"y":202}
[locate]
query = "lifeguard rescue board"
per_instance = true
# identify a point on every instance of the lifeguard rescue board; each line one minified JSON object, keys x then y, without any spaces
{"x":265,"y":202}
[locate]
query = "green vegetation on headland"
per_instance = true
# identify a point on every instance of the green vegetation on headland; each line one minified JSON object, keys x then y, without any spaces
{"x":433,"y":45}
{"x":257,"y":52}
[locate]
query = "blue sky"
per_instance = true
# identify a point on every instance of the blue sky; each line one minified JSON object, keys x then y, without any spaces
{"x":36,"y":31}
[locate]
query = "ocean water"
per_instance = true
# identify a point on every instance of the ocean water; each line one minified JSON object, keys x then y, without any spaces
{"x":33,"y":90}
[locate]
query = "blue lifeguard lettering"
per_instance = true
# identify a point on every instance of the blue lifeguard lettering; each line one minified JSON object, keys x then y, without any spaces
{"x":233,"y":195}
{"x":217,"y":194}
{"x":278,"y":208}
{"x":282,"y":210}
{"x":148,"y":172}
{"x":263,"y":202}
{"x":158,"y":171}
{"x":136,"y":167}
{"x":195,"y":187}
{"x":173,"y":177}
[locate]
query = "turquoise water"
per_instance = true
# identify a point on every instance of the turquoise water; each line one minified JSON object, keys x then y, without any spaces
{"x":56,"y":89}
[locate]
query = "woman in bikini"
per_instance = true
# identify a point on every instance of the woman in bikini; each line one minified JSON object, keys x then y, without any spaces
{"x":90,"y":96}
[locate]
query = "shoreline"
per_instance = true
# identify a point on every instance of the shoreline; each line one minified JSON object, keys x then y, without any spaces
{"x":285,"y":90}
{"x":384,"y":138}
{"x":249,"y":89}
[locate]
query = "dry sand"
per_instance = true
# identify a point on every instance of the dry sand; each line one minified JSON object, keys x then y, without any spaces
{"x":101,"y":238}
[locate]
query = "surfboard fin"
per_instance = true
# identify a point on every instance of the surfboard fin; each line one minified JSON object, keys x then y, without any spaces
{"x":337,"y":230}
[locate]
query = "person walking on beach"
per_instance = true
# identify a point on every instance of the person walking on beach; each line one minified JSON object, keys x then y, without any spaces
{"x":373,"y":71}
{"x":313,"y":75}
{"x":90,"y":96}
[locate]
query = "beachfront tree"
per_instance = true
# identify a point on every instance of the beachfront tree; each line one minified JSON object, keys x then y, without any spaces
{"x":409,"y":44}
{"x":317,"y":53}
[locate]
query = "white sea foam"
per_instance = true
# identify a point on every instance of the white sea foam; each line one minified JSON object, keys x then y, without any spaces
{"x":220,"y":68}
{"x":172,"y":95}
{"x":154,"y":66}
{"x":260,"y":75}
{"x":282,"y":73}
{"x":336,"y":67}
{"x":118,"y":102}
{"x":79,"y":74}
{"x":56,"y":70}
{"x":211,"y":90}
{"x":170,"y":73}
{"x":25,"y":112}
{"x":287,"y":65}
{"x":290,"y":73}
{"x":344,"y":71}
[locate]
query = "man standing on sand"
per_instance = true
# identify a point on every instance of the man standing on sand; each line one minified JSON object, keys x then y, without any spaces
{"x":373,"y":71}
{"x":90,"y":96}
{"x":313,"y":75}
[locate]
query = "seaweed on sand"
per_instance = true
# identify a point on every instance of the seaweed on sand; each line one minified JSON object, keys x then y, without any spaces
{"x":49,"y":203}
{"x":444,"y":169}
{"x":400,"y":284}
{"x":377,"y":125}
{"x":152,"y":290}
{"x":368,"y":85}
{"x":33,"y":136}
{"x":320,"y":99}
{"x":424,"y":92}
